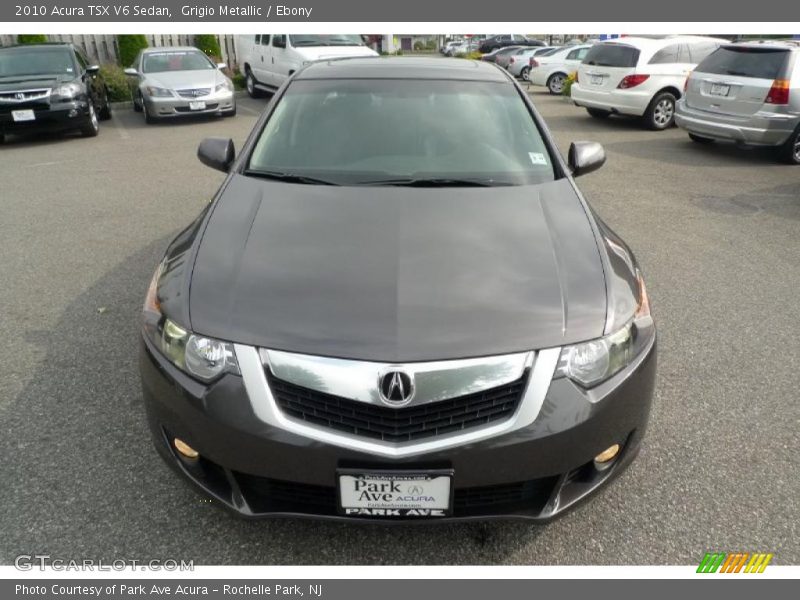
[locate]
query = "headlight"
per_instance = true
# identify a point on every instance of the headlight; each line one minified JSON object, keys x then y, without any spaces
{"x":201,"y":357}
{"x":157,"y":92}
{"x":225,"y":85}
{"x":69,"y":90}
{"x":595,"y":361}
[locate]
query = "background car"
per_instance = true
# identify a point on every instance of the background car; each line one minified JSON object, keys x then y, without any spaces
{"x":266,"y":60}
{"x":747,"y":93}
{"x":50,"y":87}
{"x":491,"y":56}
{"x":639,"y":76}
{"x":553,"y":69}
{"x":170,"y":82}
{"x":503,"y":55}
{"x":503,"y":40}
{"x":519,"y":65}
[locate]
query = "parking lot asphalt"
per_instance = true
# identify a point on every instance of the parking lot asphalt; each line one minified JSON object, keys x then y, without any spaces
{"x":84,"y":222}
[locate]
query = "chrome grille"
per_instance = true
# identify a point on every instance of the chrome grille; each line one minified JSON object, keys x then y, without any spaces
{"x":17,"y":97}
{"x":194,"y":92}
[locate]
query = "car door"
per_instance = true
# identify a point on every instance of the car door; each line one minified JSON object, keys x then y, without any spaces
{"x":90,"y":79}
{"x":281,"y":63}
{"x":262,"y":59}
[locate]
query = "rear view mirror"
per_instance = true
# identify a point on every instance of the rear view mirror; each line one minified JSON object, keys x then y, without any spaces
{"x":222,"y":66}
{"x":585,"y":157}
{"x":217,"y":153}
{"x":131,"y":71}
{"x":93,"y":69}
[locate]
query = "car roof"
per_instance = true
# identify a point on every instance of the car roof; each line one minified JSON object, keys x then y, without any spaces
{"x":790,"y":44}
{"x":403,"y":68}
{"x":656,"y":43}
{"x":41,"y":46}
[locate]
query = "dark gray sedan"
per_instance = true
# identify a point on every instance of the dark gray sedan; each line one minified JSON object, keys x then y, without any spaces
{"x":398,"y":306}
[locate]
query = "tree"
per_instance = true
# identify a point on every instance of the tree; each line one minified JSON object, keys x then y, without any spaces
{"x":209,"y":44}
{"x":31,"y":38}
{"x":129,"y":46}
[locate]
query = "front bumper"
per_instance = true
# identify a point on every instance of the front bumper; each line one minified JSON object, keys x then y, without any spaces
{"x":60,"y":116}
{"x":178,"y":106}
{"x":763,"y":128}
{"x":259,"y":470}
{"x":625,"y":102}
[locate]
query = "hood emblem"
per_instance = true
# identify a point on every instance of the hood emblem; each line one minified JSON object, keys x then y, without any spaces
{"x":396,"y":387}
{"x":19,"y":96}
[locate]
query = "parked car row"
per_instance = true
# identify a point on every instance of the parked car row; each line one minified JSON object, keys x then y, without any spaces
{"x":744,"y":92}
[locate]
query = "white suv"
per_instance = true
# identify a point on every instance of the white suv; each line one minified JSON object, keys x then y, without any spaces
{"x":639,"y":76}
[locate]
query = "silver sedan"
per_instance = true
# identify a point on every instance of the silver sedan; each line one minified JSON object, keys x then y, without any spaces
{"x":177,"y":81}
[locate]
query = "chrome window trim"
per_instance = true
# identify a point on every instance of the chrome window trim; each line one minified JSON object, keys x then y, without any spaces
{"x":267,"y":410}
{"x":359,"y":380}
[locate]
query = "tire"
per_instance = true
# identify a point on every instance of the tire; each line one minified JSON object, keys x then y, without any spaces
{"x":555,"y":83}
{"x":599,"y":113}
{"x":525,"y":73}
{"x":250,"y":84}
{"x":790,"y":151}
{"x":92,"y":125}
{"x":137,"y":102}
{"x":230,"y":113}
{"x":660,"y":113}
{"x":2,"y":138}
{"x":700,"y":139}
{"x":105,"y":112}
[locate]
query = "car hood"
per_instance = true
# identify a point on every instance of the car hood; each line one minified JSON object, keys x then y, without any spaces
{"x":178,"y":80}
{"x":398,"y":274}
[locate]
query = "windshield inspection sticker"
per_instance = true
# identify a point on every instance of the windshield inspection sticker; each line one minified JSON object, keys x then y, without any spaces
{"x":537,"y":158}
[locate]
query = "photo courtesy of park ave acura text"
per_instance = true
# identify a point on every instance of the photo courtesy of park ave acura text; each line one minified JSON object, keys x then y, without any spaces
{"x":387,"y":298}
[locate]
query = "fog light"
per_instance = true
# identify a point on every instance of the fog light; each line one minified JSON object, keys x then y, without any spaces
{"x":185,"y":449}
{"x":607,"y":455}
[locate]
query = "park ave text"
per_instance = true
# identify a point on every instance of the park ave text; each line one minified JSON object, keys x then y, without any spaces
{"x":196,"y":11}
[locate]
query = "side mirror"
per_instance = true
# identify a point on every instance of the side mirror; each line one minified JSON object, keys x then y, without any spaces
{"x":217,"y":153}
{"x":131,"y":71}
{"x":585,"y":157}
{"x":93,"y":69}
{"x":222,"y":65}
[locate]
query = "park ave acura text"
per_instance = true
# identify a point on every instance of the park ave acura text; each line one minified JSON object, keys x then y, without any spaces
{"x":398,"y":306}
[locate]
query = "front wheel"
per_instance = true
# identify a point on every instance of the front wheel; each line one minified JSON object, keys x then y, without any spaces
{"x":599,"y":113}
{"x":525,"y":73}
{"x":230,"y":113}
{"x":555,"y":83}
{"x":660,"y":114}
{"x":790,"y":151}
{"x":250,"y":84}
{"x":92,"y":126}
{"x":148,"y":118}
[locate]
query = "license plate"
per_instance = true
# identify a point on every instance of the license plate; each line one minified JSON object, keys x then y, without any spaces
{"x":197,"y":105}
{"x":23,"y":115}
{"x":719,"y":89}
{"x":395,"y":494}
{"x":596,"y":79}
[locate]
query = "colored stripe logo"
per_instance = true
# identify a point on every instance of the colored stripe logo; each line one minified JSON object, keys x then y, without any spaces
{"x":734,"y":562}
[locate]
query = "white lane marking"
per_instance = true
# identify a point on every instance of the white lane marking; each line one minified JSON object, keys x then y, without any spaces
{"x":46,"y":164}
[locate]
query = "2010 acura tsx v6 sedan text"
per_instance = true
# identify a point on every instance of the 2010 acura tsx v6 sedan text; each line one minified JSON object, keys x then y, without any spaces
{"x":398,"y":306}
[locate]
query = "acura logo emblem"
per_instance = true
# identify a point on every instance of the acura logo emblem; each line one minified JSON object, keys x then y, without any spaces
{"x":396,"y":387}
{"x":19,"y":96}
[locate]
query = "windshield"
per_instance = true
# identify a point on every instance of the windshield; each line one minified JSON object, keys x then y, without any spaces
{"x":176,"y":60}
{"x":759,"y":63}
{"x":395,"y":132}
{"x":336,"y":39}
{"x":37,"y":61}
{"x":612,"y":55}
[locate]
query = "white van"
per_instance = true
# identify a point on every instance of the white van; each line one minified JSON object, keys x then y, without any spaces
{"x":268,"y":60}
{"x":639,"y":76}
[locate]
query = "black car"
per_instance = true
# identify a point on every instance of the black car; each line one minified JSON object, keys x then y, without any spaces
{"x":50,"y":87}
{"x":398,"y":306}
{"x":501,"y":41}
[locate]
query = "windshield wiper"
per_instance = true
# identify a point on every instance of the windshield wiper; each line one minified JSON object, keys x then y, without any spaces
{"x":434,"y":182}
{"x":287,"y":177}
